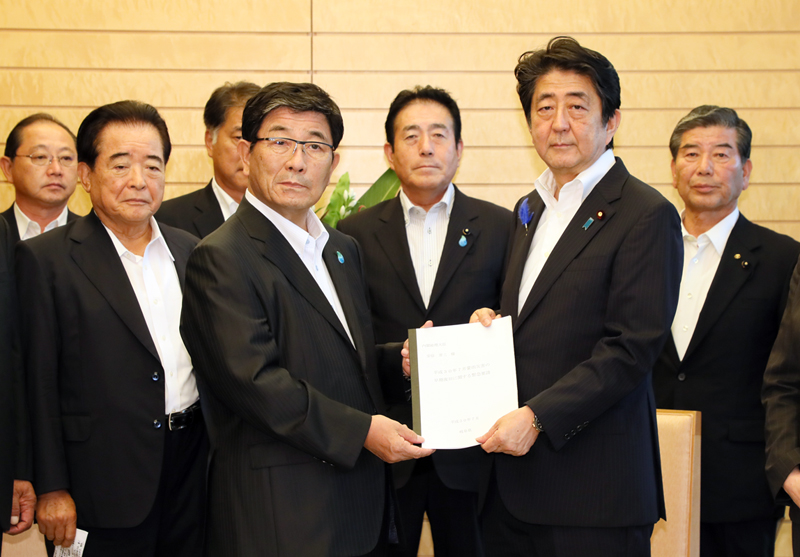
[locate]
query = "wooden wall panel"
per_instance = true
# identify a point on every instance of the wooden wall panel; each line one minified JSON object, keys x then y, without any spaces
{"x":460,"y":52}
{"x":138,"y":51}
{"x":254,"y":16}
{"x":542,"y":16}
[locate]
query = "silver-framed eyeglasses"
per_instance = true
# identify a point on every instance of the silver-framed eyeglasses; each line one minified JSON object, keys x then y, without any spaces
{"x":40,"y":159}
{"x":316,"y":150}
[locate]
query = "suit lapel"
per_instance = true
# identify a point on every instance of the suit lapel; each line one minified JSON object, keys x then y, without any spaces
{"x":577,"y":234}
{"x":210,"y":216}
{"x":94,"y":253}
{"x":464,"y":220}
{"x":523,"y":237}
{"x":344,"y":290}
{"x":181,"y":256}
{"x":393,"y":239}
{"x":731,"y":275}
{"x":276,"y":249}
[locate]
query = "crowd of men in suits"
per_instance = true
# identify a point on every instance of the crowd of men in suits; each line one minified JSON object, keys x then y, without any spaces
{"x":222,"y":374}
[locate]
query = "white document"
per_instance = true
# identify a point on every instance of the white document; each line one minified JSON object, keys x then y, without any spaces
{"x":76,"y":549}
{"x":463,"y":379}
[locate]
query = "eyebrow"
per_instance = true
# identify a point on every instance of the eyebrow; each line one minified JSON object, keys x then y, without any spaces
{"x":580,"y":94}
{"x":126,"y":154}
{"x":312,"y":133}
{"x":436,"y":126}
{"x":696,"y":146}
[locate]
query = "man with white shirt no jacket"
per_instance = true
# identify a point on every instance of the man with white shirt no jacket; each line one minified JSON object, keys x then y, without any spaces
{"x":41,"y":163}
{"x":591,"y":285}
{"x":119,"y":442}
{"x":203,"y":211}
{"x":735,"y":284}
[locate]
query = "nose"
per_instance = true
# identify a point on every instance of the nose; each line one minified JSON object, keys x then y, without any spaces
{"x":705,"y":164}
{"x":560,"y":120}
{"x":425,"y":145}
{"x":297,"y":161}
{"x":54,"y":167}
{"x":136,"y":177}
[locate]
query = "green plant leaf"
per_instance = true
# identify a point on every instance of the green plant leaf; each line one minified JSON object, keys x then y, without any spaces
{"x":341,"y":202}
{"x":384,"y":188}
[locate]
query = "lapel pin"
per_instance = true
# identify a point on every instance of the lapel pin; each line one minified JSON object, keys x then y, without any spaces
{"x":525,"y":214}
{"x":462,"y":241}
{"x":588,"y":223}
{"x":745,"y":264}
{"x":340,"y":257}
{"x":737,"y":256}
{"x":600,"y":215}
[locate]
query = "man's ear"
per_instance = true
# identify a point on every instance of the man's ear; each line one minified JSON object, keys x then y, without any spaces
{"x":209,"y":142}
{"x":389,"y":152}
{"x":244,"y":154}
{"x":6,"y":163}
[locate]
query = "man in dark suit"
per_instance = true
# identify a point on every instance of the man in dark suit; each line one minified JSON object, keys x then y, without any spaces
{"x":733,"y":293}
{"x":118,"y":437}
{"x":203,"y":211}
{"x":592,"y":285}
{"x":41,"y":163}
{"x":781,"y":398}
{"x":423,"y":146}
{"x":16,"y":493}
{"x":277,"y":321}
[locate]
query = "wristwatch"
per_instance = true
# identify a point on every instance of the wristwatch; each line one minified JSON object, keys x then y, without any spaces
{"x":537,"y":425}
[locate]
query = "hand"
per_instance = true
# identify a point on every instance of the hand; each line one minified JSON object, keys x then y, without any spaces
{"x":484,"y":315}
{"x":392,"y":442}
{"x":57,"y":518}
{"x":792,"y":485}
{"x":512,"y":434}
{"x":23,"y":504}
{"x":405,"y":353}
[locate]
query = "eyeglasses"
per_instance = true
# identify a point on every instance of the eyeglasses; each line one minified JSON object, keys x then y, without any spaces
{"x":66,"y":161}
{"x":315,"y":150}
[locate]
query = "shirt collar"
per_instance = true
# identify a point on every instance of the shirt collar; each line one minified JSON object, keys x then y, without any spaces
{"x":583,"y":183}
{"x":718,"y":234}
{"x":226,"y":202}
{"x":23,"y":222}
{"x":446,"y":201}
{"x":155,"y":238}
{"x":296,"y":236}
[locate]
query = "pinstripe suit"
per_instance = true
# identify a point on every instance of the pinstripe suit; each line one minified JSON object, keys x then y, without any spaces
{"x":288,"y":398}
{"x":781,"y":397}
{"x":585,"y":342}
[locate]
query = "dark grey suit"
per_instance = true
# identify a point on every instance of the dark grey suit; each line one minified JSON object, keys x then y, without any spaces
{"x":585,"y":341}
{"x":95,"y":380}
{"x":9,"y":215}
{"x":722,"y":371}
{"x":289,"y":398}
{"x":468,"y":278}
{"x":197,"y":213}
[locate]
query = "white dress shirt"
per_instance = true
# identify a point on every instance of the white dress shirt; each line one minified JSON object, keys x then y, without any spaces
{"x":227,"y":204}
{"x":426,"y":232}
{"x":701,"y":257}
{"x":30,"y":229}
{"x":308,"y":246}
{"x":557,"y":215}
{"x":155,"y":281}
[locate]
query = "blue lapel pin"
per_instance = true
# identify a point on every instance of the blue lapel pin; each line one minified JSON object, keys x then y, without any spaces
{"x":340,"y":257}
{"x":588,"y":223}
{"x":463,"y":240}
{"x":525,"y":214}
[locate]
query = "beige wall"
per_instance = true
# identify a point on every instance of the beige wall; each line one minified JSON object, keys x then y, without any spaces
{"x":671,"y":56}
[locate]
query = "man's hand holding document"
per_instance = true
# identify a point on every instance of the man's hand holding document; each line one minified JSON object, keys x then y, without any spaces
{"x":463,"y":378}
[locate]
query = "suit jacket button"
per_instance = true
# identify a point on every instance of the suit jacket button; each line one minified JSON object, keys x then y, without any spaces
{"x":157,"y":424}
{"x":681,"y":377}
{"x":585,"y":424}
{"x":155,"y":376}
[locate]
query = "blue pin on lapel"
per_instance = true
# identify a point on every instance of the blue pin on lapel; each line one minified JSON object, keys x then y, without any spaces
{"x":340,"y":257}
{"x":588,"y":223}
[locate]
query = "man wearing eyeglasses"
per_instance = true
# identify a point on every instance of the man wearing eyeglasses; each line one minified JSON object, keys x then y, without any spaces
{"x":41,"y":162}
{"x":276,"y":320}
